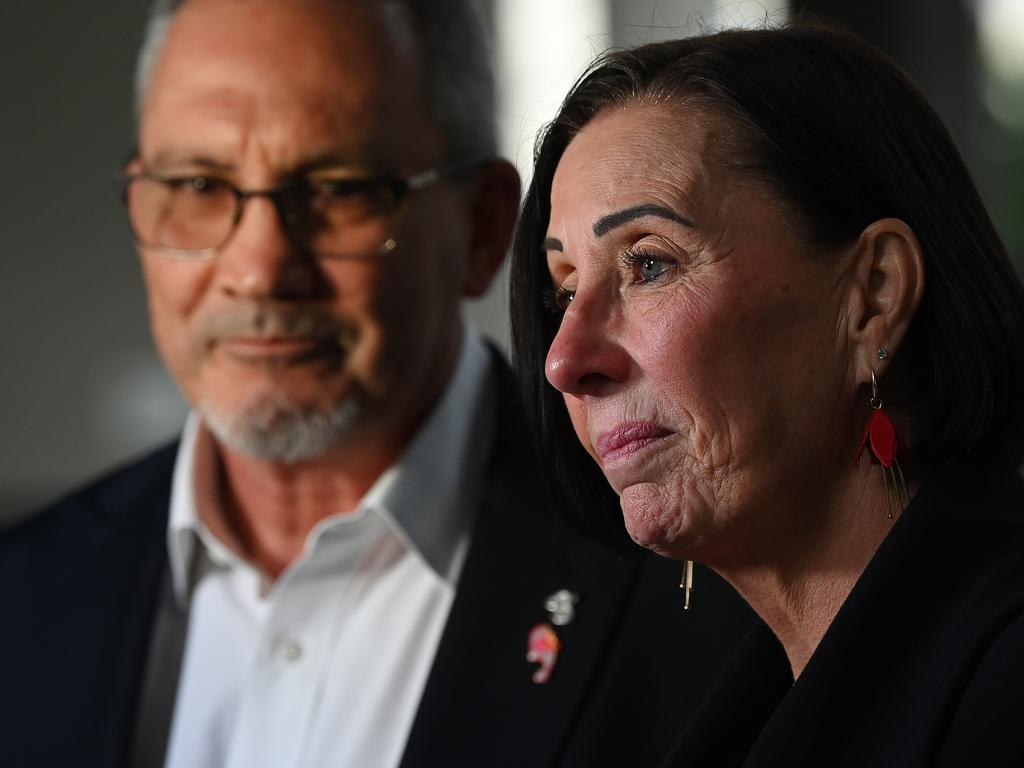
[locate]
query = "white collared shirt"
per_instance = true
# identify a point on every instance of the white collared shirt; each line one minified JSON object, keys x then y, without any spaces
{"x":326,"y":666}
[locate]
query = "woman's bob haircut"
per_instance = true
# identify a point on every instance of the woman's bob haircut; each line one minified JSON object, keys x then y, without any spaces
{"x":843,"y":139}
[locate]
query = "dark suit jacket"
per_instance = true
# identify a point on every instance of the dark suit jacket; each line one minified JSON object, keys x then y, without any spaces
{"x":923,"y":665}
{"x":79,"y":585}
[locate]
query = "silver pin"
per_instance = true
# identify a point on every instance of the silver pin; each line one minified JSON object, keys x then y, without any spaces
{"x":561,"y":606}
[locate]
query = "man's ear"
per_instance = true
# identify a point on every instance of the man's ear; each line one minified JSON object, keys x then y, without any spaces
{"x":888,"y":282}
{"x":493,"y":200}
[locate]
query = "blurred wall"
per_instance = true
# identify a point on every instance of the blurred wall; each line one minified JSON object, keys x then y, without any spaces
{"x":80,"y":386}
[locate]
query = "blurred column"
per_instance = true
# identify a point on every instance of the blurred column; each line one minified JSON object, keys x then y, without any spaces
{"x":1001,"y":90}
{"x":541,"y":47}
{"x":637,"y":22}
{"x":968,"y":58}
{"x":936,"y":43}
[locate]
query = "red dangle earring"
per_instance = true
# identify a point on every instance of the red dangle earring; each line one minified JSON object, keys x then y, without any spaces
{"x":886,"y":448}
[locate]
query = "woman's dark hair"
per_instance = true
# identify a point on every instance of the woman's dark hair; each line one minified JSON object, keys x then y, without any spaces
{"x":843,"y":138}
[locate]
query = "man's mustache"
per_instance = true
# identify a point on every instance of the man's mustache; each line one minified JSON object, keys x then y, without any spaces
{"x":275,"y":321}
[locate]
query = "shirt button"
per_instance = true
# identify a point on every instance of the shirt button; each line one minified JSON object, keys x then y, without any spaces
{"x":286,"y":649}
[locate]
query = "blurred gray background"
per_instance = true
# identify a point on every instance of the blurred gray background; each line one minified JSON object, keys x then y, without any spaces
{"x":81,"y":388}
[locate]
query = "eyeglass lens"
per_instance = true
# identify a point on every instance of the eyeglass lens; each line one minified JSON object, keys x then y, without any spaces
{"x":198,"y":214}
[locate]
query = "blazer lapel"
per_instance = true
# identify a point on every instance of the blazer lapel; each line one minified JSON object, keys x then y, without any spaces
{"x":480,"y":705}
{"x":136,"y":559}
{"x":732,"y":716}
{"x":84,"y":573}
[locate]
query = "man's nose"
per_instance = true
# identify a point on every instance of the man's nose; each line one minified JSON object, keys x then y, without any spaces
{"x":585,"y":357}
{"x":260,"y":261}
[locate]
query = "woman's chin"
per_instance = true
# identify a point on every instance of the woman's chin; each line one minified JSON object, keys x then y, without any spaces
{"x":655,"y":521}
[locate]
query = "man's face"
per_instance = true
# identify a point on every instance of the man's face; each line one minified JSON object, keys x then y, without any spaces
{"x":289,"y":356}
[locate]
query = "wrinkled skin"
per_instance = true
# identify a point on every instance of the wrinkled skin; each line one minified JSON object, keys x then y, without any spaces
{"x":703,"y":351}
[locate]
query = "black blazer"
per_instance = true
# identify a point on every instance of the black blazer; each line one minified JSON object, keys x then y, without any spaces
{"x":79,"y":584}
{"x":922,"y":666}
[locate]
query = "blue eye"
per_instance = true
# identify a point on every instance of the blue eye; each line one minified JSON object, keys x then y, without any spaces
{"x":647,"y":266}
{"x":651,"y":269}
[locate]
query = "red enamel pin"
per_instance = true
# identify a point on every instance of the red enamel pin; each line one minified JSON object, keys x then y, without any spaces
{"x":543,"y":646}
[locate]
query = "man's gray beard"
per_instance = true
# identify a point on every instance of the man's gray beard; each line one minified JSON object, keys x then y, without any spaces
{"x":276,"y":429}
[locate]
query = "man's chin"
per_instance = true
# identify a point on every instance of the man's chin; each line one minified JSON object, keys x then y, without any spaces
{"x":278,"y":430}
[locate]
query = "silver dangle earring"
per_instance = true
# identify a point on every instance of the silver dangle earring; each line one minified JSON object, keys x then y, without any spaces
{"x":686,"y":583}
{"x":886,"y":449}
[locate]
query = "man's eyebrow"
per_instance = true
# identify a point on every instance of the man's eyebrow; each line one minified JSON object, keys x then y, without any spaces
{"x":348,"y":162}
{"x":343,"y":162}
{"x":552,"y":244}
{"x":185,"y":159}
{"x":607,"y":223}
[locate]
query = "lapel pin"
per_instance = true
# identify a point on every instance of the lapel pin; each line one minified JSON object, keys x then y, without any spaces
{"x":561,"y":606}
{"x":543,"y":646}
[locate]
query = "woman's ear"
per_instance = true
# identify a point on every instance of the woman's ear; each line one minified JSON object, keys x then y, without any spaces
{"x":493,"y":207}
{"x":888,"y":282}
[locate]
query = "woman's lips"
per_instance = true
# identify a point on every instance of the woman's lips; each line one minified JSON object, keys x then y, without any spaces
{"x":626,"y":439}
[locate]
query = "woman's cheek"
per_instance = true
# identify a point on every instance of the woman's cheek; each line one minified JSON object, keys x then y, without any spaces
{"x":677,"y":507}
{"x":580,"y":423}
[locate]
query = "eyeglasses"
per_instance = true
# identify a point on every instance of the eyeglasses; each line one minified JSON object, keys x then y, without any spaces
{"x":190,"y":217}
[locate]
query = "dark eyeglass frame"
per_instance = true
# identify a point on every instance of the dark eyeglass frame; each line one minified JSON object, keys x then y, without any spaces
{"x":399,"y":189}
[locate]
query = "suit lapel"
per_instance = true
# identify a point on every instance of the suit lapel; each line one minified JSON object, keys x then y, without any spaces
{"x":88,"y":569}
{"x":136,"y":558}
{"x":480,"y":705}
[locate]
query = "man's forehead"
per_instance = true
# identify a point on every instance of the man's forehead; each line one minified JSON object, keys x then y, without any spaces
{"x":327,"y":77}
{"x":314,"y":40}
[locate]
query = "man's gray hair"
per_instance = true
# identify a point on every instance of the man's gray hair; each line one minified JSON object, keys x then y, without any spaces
{"x":456,"y":55}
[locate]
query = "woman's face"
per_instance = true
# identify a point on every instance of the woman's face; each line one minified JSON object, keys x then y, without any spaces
{"x":702,"y":349}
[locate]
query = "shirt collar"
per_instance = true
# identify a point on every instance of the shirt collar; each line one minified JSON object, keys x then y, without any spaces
{"x":426,"y":498}
{"x":429,"y":495}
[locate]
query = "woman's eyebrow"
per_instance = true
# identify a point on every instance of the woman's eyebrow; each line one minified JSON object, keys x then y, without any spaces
{"x":552,"y":244}
{"x":607,"y":223}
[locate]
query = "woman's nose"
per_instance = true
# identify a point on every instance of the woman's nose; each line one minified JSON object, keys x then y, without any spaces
{"x":585,"y":357}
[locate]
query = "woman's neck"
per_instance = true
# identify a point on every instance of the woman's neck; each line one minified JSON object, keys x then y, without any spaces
{"x":801,"y":579}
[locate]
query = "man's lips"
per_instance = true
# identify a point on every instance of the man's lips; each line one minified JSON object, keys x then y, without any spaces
{"x":626,"y":439}
{"x":272,"y":347}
